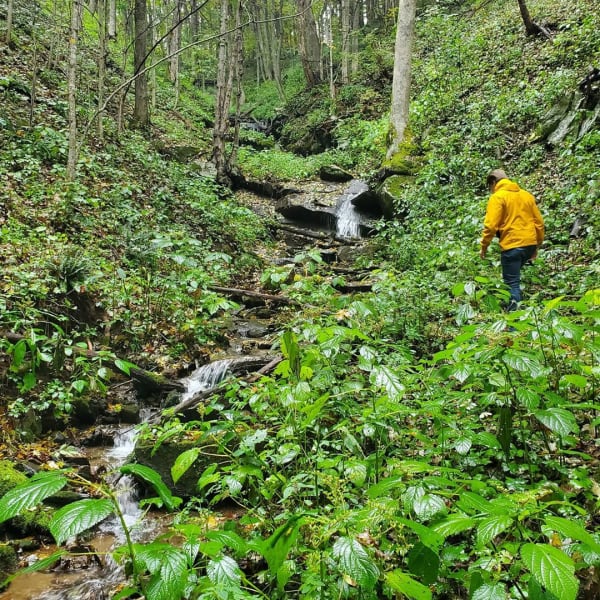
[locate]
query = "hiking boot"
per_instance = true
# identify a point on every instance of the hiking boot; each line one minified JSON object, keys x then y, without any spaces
{"x":512,"y":306}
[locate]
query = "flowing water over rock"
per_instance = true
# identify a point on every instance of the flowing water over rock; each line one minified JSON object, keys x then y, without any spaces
{"x":348,"y":219}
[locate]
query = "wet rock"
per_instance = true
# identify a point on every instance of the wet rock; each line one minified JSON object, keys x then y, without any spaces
{"x":8,"y":561}
{"x":334,"y":173}
{"x":161,"y":459}
{"x":390,"y":196}
{"x":98,"y":437}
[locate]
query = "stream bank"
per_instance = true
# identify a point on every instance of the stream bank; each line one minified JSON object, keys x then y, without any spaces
{"x":252,"y":332}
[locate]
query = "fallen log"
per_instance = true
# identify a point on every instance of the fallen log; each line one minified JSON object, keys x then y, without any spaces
{"x":240,"y":293}
{"x":351,"y":287}
{"x":145,"y":381}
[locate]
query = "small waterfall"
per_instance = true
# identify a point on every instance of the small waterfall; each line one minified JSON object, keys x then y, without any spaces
{"x":348,"y":219}
{"x":205,"y":377}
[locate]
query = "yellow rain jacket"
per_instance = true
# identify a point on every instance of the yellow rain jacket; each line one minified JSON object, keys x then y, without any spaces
{"x":512,"y":214}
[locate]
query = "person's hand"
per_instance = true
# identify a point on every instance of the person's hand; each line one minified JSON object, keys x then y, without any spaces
{"x":482,"y":252}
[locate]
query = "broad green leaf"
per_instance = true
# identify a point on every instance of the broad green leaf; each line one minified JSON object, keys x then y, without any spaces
{"x":490,"y":527}
{"x":573,"y":530}
{"x":30,"y":494}
{"x":490,"y":591}
{"x":528,"y":398}
{"x":504,"y":433}
{"x":461,"y":372}
{"x":471,"y":502}
{"x":453,"y":524}
{"x":208,"y":477}
{"x":385,"y":487}
{"x":558,"y":420}
{"x":551,"y":304}
{"x":355,"y":562}
{"x":291,"y":350}
{"x":577,"y":380}
{"x":228,"y":538}
{"x":463,"y":445}
{"x":407,"y":586}
{"x":465,"y":313}
{"x":428,"y":506}
{"x":314,"y":410}
{"x":183,"y":462}
{"x":74,"y":518}
{"x":29,"y":381}
{"x":385,"y":378}
{"x":552,"y":569}
{"x":424,"y":563}
{"x":275,"y":549}
{"x":429,"y":537}
{"x":224,"y":572}
{"x":356,"y":473}
{"x":124,"y":366}
{"x":519,"y":361}
{"x":18,"y":354}
{"x":153,"y":478}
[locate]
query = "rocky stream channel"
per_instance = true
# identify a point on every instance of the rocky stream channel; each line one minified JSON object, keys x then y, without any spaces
{"x":329,"y":217}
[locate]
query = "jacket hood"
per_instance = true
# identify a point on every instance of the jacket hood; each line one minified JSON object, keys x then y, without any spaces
{"x":507,"y":185}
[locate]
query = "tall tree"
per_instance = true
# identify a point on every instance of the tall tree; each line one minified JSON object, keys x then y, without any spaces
{"x":102,"y":55}
{"x":9,"y":20}
{"x":112,"y":19}
{"x":268,"y":38}
{"x":223,"y":98}
{"x":175,"y":45}
{"x":531,"y":27}
{"x":309,"y":43}
{"x":402,"y":74}
{"x":346,"y":20}
{"x":72,"y":88}
{"x":141,"y":111}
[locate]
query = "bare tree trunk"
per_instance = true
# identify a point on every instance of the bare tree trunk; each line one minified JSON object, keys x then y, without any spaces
{"x":175,"y":42}
{"x":194,"y":19}
{"x":112,"y":19}
{"x":72,"y":89}
{"x":531,"y":27}
{"x":402,"y":74}
{"x":102,"y":53}
{"x":236,"y":72}
{"x":141,"y":112}
{"x":9,"y":21}
{"x":345,"y":18}
{"x":222,"y":99}
{"x":356,"y":25}
{"x":34,"y":69}
{"x":310,"y":45}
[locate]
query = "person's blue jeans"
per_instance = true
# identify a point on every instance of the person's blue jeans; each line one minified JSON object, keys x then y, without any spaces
{"x":512,"y":261}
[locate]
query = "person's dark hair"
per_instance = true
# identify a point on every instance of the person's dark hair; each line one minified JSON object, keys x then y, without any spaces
{"x":495,"y":176}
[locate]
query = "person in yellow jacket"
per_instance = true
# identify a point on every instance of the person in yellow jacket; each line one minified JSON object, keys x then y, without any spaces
{"x":515,"y":218}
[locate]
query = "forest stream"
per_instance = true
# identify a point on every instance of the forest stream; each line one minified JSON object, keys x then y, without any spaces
{"x":94,"y":574}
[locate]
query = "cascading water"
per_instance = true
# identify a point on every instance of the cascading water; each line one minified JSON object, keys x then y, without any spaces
{"x":348,"y":219}
{"x":95,"y":583}
{"x":205,"y":377}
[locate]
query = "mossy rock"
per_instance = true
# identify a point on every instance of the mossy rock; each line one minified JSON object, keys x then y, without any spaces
{"x":30,"y":522}
{"x":8,"y":561}
{"x":163,"y":458}
{"x":10,"y":477}
{"x":390,"y":194}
